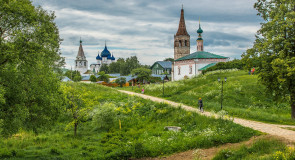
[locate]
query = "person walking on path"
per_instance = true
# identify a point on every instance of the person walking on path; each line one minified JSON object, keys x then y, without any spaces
{"x":142,"y":91}
{"x":201,"y":105}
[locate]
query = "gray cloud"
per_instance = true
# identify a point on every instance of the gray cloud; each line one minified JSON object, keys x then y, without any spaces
{"x":147,"y":28}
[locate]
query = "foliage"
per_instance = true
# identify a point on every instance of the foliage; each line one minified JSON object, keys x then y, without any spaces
{"x":93,"y":78}
{"x":73,"y":75}
{"x":104,"y":116}
{"x":104,"y":68}
{"x":29,"y":62}
{"x":274,"y":49}
{"x":121,"y":81}
{"x":263,"y":148}
{"x":142,"y":131}
{"x":169,"y":59}
{"x":76,"y":105}
{"x":243,"y":95}
{"x":103,"y":77}
{"x":234,"y":64}
{"x":124,"y":67}
{"x":143,"y":74}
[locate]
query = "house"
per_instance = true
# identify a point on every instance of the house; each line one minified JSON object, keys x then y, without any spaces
{"x":161,"y":67}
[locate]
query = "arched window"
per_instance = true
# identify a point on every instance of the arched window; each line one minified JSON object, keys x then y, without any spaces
{"x":178,"y":70}
{"x":185,"y":43}
{"x":190,"y":70}
{"x":179,"y":43}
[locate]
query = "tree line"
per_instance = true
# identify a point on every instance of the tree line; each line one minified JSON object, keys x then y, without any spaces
{"x":123,"y":66}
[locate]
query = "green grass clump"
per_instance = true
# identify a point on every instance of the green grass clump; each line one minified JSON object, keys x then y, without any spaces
{"x":243,"y":95}
{"x":265,"y":148}
{"x":142,"y":132}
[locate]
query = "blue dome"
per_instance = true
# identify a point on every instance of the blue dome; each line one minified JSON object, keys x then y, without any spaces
{"x":105,"y":52}
{"x":98,"y":57}
{"x":113,"y":58}
{"x":109,"y":57}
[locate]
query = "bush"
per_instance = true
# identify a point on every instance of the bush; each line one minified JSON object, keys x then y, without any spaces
{"x":234,"y":64}
{"x":93,"y":78}
{"x":104,"y":116}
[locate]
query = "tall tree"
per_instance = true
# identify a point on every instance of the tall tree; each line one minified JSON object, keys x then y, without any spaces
{"x":104,"y":68}
{"x":274,"y":47}
{"x":30,"y":94}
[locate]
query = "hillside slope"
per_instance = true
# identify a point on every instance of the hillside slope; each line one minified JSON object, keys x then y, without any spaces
{"x":243,"y":95}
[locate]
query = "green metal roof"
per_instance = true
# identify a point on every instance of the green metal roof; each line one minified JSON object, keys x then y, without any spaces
{"x":208,"y":66}
{"x":201,"y":55}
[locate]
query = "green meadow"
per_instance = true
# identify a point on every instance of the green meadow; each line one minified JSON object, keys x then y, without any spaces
{"x":118,"y":126}
{"x":243,"y":95}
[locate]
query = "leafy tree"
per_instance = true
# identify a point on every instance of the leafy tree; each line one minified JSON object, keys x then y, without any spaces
{"x":76,"y":106}
{"x":74,"y":75}
{"x":274,"y":48}
{"x":103,"y":77}
{"x":121,"y":81}
{"x":30,"y":93}
{"x":93,"y":78}
{"x":142,"y":74}
{"x":104,"y":68}
{"x":116,"y":67}
{"x":169,"y":59}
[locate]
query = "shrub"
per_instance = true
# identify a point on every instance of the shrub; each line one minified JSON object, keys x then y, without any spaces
{"x":93,"y":78}
{"x":104,"y":116}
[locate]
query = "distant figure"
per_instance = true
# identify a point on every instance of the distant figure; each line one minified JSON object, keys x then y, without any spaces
{"x":250,"y":72}
{"x":142,"y":91}
{"x":253,"y":70}
{"x":201,"y":105}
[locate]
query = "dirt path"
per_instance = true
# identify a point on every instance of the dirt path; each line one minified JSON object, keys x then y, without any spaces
{"x":272,"y":129}
{"x":209,"y":153}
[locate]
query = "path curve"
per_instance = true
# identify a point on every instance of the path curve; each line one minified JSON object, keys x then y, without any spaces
{"x":272,"y":129}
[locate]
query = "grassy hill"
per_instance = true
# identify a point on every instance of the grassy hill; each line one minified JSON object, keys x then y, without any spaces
{"x":243,"y":97}
{"x":142,"y":132}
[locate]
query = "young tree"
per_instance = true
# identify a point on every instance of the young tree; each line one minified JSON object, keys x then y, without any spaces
{"x":93,"y":78}
{"x":142,"y":74}
{"x":274,"y":47}
{"x":76,"y":105}
{"x":121,"y":81}
{"x":30,"y":93}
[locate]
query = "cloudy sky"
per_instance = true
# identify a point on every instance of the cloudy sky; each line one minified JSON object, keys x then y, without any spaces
{"x":146,"y":28}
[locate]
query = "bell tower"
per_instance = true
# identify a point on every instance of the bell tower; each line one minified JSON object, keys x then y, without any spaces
{"x":181,"y":39}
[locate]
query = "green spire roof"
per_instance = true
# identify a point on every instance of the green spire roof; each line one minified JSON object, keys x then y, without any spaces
{"x":201,"y":55}
{"x":208,"y":66}
{"x":200,"y":29}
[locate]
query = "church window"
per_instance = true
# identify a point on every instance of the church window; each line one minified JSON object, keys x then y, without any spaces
{"x":84,"y":63}
{"x":178,"y":70}
{"x":179,"y":43}
{"x":190,"y":70}
{"x":185,"y":43}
